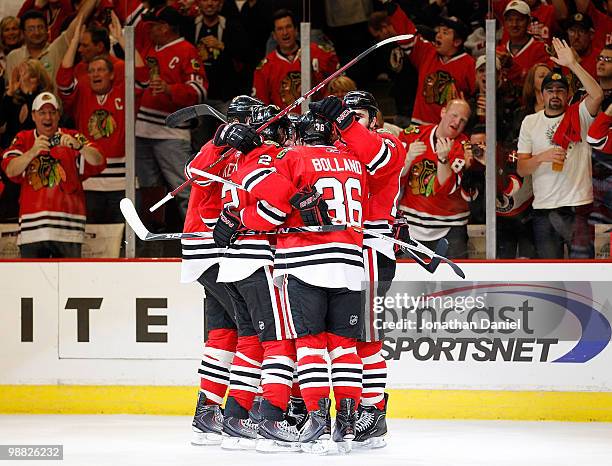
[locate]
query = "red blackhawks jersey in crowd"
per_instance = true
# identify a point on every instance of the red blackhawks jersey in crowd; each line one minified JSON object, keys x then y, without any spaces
{"x":384,"y":184}
{"x":101,"y":118}
{"x":278,"y":79}
{"x":328,"y":260}
{"x":531,"y":53}
{"x":52,"y":201}
{"x":429,"y":207}
{"x":440,"y":79}
{"x":178,"y":64}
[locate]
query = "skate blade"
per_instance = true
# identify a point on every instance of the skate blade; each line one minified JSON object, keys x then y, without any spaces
{"x":265,"y":445}
{"x":371,"y":443}
{"x":320,"y":447}
{"x":206,"y":438}
{"x":238,"y":443}
{"x":344,"y":447}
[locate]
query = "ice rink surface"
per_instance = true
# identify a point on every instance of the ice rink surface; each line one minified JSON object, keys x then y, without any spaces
{"x":124,"y":440}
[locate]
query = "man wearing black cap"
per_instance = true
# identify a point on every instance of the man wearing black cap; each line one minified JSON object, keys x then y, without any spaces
{"x":552,"y":148}
{"x":580,"y":36}
{"x":445,"y":70}
{"x":176,"y":80}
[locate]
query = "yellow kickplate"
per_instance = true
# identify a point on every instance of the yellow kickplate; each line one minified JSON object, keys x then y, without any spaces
{"x":418,"y":404}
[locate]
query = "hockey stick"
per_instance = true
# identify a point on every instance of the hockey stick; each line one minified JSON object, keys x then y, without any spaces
{"x":411,"y":248}
{"x":131,"y":217}
{"x":189,"y":113}
{"x":287,"y":109}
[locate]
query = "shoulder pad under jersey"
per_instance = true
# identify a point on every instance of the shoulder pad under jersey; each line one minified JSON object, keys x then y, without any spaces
{"x":261,"y":64}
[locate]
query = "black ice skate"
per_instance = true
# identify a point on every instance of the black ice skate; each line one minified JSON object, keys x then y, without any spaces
{"x":344,"y":427}
{"x":206,"y":423}
{"x":297,"y":413}
{"x":317,"y":430}
{"x":275,"y":432}
{"x":239,"y":427}
{"x":371,"y":426}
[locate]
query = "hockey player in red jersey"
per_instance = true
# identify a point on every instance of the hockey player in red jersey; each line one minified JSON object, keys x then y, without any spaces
{"x":265,"y":326}
{"x":201,"y":262}
{"x":321,"y":276}
{"x":378,"y":255}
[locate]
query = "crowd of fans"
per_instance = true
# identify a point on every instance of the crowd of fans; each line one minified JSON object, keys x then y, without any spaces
{"x":62,"y":104}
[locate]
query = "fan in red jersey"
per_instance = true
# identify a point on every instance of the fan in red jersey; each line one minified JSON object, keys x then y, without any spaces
{"x":277,"y":78}
{"x":433,"y":202}
{"x":50,"y":164}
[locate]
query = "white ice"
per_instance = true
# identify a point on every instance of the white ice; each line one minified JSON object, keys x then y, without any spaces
{"x":124,"y":440}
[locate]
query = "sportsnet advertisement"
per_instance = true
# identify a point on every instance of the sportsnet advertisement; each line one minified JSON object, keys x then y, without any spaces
{"x":505,"y":328}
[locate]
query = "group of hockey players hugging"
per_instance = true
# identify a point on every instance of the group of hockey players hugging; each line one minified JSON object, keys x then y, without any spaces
{"x":284,"y":272}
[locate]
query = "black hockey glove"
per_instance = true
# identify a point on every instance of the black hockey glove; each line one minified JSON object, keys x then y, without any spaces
{"x":400,"y":232}
{"x":227,"y":227}
{"x":239,"y":136}
{"x":312,"y":207}
{"x":333,"y":109}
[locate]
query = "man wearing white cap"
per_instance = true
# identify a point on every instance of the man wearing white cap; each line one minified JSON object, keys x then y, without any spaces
{"x":50,"y":164}
{"x":521,"y":48}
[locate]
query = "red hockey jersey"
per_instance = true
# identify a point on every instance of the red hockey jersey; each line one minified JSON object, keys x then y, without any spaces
{"x":599,"y":135}
{"x":52,"y":201}
{"x":101,"y":118}
{"x":277,"y":80}
{"x":202,"y":213}
{"x":384,"y":184}
{"x":179,"y":65}
{"x":328,"y":260}
{"x":429,"y":207}
{"x":531,"y":53}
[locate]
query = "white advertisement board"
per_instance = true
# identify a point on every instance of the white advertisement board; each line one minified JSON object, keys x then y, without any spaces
{"x":132,"y":323}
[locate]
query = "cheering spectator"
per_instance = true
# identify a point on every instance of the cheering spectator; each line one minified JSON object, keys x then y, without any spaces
{"x":176,"y":80}
{"x":433,"y":202}
{"x":97,"y":102}
{"x":545,"y":17}
{"x":95,"y":42}
{"x":54,"y":11}
{"x":11,"y":38}
{"x":278,"y":77}
{"x":552,"y":148}
{"x":533,"y":101}
{"x":340,"y":86}
{"x":602,"y":22}
{"x":580,"y":37}
{"x":522,"y":50}
{"x":224,"y":48}
{"x":50,"y":163}
{"x":29,"y":79}
{"x":445,"y":70}
{"x":36,"y":43}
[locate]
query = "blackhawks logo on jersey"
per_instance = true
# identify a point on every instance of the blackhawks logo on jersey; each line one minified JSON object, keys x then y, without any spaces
{"x":439,"y":88}
{"x":290,"y":87}
{"x":101,"y":124}
{"x":45,"y":171}
{"x":423,"y":177}
{"x":153,"y":66}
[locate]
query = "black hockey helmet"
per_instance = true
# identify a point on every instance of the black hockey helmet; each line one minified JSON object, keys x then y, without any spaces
{"x":240,"y":108}
{"x":356,"y":100}
{"x":313,"y":129}
{"x":277,"y":131}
